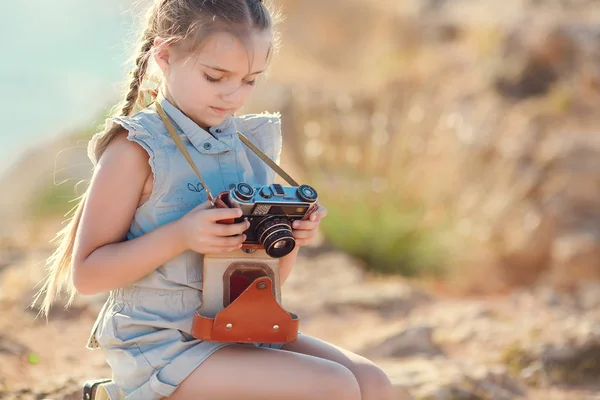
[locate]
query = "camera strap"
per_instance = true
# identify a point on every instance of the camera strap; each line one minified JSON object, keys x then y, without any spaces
{"x":169,"y":125}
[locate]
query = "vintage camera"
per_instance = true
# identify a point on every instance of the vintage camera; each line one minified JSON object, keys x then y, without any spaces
{"x":271,"y":210}
{"x":241,"y":290}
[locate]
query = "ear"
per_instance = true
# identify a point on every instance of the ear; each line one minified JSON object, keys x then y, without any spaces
{"x":161,"y":54}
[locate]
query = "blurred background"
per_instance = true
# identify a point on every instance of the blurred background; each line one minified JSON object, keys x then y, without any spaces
{"x":456,"y":145}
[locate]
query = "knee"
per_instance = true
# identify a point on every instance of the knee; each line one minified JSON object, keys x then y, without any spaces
{"x":339,"y":383}
{"x":374,"y":382}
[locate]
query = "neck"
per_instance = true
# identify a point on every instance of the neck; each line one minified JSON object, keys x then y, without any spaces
{"x":171,"y":100}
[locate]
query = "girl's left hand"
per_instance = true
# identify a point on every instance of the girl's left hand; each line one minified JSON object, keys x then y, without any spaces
{"x":305,"y":231}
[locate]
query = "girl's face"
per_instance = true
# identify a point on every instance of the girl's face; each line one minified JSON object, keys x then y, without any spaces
{"x":213,"y":84}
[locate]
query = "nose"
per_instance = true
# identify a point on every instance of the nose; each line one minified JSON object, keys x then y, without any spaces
{"x":232,"y":95}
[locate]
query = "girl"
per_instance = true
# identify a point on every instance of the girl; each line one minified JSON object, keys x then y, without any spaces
{"x":141,"y":228}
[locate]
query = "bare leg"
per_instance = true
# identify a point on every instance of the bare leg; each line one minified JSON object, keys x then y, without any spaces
{"x":374,"y":383}
{"x":250,"y":373}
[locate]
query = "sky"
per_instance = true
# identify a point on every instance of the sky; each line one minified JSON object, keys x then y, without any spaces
{"x":62,"y":63}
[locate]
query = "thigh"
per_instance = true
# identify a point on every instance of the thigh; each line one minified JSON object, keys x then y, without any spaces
{"x":251,"y":373}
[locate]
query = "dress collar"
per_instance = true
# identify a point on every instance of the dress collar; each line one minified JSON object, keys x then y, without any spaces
{"x":200,"y":138}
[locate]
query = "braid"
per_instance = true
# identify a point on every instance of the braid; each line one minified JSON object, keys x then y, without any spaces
{"x":141,"y":64}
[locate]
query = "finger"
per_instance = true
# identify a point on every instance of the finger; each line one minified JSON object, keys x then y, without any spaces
{"x":217,"y":241}
{"x":230,"y":229}
{"x":305,"y":225}
{"x":218,"y":214}
{"x":303,"y":234}
{"x":320,"y":213}
{"x":229,"y":241}
{"x":302,"y":242}
{"x":230,"y":249}
{"x":223,"y":249}
{"x":216,"y":250}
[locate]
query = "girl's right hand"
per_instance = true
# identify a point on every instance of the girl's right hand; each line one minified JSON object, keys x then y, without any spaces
{"x":200,"y":231}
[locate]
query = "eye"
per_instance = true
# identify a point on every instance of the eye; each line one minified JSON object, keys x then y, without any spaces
{"x":211,"y":79}
{"x":251,"y":83}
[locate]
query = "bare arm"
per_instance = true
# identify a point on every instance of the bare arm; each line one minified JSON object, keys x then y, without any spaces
{"x":103,"y":259}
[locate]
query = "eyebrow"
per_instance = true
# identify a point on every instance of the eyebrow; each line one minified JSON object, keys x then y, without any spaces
{"x":229,"y":72}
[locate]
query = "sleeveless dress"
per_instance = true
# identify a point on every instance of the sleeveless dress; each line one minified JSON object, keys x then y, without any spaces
{"x":144,"y":328}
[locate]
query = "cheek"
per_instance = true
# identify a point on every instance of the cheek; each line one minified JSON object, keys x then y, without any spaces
{"x":247,"y":91}
{"x":201,"y":90}
{"x":196,"y":90}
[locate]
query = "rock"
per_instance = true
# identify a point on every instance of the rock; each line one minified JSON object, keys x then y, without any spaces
{"x":572,"y":360}
{"x":451,"y":393}
{"x":571,"y":364}
{"x":441,"y":379}
{"x":10,"y":256}
{"x":389,"y":298}
{"x":575,"y":258}
{"x":58,"y":388}
{"x":409,"y":342}
{"x":537,"y":61}
{"x":13,"y":347}
{"x":551,"y":297}
{"x":401,"y":392}
{"x":588,"y":295}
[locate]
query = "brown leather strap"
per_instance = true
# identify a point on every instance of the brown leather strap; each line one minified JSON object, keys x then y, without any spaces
{"x":267,"y":160}
{"x":182,"y":148}
{"x":169,"y":125}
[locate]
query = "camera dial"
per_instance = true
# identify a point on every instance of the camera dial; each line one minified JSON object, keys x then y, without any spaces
{"x":266,"y":192}
{"x":306,"y":193}
{"x":243,"y":191}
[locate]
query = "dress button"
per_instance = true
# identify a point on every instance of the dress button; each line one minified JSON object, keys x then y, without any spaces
{"x":207,"y":146}
{"x":219,"y":130}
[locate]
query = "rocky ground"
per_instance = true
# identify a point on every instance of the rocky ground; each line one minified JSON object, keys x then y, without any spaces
{"x":530,"y":344}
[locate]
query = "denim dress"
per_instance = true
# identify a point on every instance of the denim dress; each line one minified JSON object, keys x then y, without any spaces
{"x":144,"y":328}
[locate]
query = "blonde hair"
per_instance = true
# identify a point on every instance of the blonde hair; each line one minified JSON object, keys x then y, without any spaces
{"x":184,"y":24}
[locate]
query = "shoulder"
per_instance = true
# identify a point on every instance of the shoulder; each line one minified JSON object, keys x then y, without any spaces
{"x":122,"y":170}
{"x":264,"y":130}
{"x":144,"y":125}
{"x":263,"y":121}
{"x":141,"y":128}
{"x":125,"y":154}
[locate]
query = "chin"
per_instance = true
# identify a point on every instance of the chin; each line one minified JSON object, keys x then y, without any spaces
{"x":214,"y":121}
{"x":219,"y":119}
{"x":210,"y":120}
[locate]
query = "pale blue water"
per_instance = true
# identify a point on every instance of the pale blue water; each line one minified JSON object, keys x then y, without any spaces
{"x":61,"y":62}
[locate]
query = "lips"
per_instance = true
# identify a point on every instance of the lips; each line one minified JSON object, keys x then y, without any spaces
{"x":220,"y":111}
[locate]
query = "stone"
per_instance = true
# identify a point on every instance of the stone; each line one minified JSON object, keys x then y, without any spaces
{"x":417,"y":340}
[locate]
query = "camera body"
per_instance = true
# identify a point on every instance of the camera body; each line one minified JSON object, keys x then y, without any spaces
{"x":271,"y":210}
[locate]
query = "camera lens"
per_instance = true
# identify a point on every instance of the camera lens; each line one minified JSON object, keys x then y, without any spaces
{"x":275,"y":235}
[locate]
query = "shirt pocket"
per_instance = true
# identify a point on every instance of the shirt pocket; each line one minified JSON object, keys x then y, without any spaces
{"x":183,"y":188}
{"x":104,"y":332}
